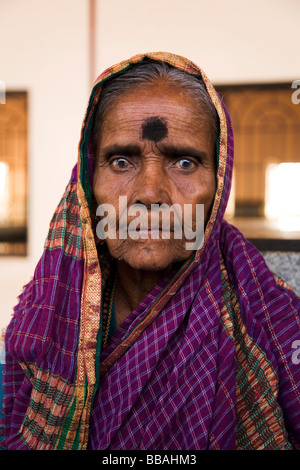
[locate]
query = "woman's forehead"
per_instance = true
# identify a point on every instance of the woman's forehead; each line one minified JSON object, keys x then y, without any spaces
{"x":168,"y":120}
{"x":155,"y":110}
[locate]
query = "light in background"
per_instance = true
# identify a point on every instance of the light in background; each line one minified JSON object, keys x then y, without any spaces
{"x":282,"y":199}
{"x":4,"y":192}
{"x":266,"y":127}
{"x":13,"y":174}
{"x":230,"y":209}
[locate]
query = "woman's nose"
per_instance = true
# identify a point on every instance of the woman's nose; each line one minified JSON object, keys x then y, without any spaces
{"x":152,"y":184}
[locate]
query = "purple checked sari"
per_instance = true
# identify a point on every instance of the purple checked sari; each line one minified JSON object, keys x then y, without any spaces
{"x":206,"y":361}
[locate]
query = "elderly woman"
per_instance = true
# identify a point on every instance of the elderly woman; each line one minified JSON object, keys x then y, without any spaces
{"x":144,"y":341}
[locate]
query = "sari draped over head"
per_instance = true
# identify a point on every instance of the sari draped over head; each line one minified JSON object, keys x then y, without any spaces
{"x":204,"y":362}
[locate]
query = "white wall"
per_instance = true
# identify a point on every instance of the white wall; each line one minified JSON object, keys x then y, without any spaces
{"x":232,"y":40}
{"x":44,"y":49}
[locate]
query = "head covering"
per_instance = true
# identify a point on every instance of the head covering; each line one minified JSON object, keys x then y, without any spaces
{"x":204,"y":362}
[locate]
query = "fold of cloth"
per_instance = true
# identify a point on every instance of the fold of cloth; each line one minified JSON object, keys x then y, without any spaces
{"x":204,"y":362}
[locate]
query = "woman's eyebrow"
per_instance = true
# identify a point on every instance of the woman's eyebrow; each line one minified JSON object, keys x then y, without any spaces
{"x":170,"y":151}
{"x":117,"y":149}
{"x":182,"y":151}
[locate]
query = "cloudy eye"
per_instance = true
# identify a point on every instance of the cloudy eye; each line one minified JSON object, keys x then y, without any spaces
{"x":120,"y":163}
{"x":185,"y":163}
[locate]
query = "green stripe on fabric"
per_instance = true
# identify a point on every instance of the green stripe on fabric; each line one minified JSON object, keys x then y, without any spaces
{"x":62,"y":439}
{"x":69,"y":421}
{"x":84,"y":168}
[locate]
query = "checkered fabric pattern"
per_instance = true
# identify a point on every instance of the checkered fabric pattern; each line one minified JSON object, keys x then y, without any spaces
{"x":204,"y":362}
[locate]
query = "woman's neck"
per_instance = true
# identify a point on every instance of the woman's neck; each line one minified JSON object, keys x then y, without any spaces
{"x":132,"y":286}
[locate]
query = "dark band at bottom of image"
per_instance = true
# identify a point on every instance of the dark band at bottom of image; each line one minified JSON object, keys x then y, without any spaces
{"x":134,"y":459}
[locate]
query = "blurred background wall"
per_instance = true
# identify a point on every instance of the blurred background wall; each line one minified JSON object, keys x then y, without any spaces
{"x":51,"y":48}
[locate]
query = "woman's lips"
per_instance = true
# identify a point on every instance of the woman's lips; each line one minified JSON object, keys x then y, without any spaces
{"x":153,"y":233}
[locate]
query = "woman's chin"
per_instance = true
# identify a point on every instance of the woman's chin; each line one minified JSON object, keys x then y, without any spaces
{"x":155,"y":256}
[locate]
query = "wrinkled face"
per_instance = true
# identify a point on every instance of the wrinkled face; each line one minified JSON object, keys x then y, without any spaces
{"x":155,"y":148}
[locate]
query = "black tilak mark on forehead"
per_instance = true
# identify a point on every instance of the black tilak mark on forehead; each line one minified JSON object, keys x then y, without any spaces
{"x":154,"y":129}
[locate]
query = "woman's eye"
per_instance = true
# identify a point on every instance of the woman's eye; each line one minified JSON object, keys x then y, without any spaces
{"x":185,"y":163}
{"x":120,"y":163}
